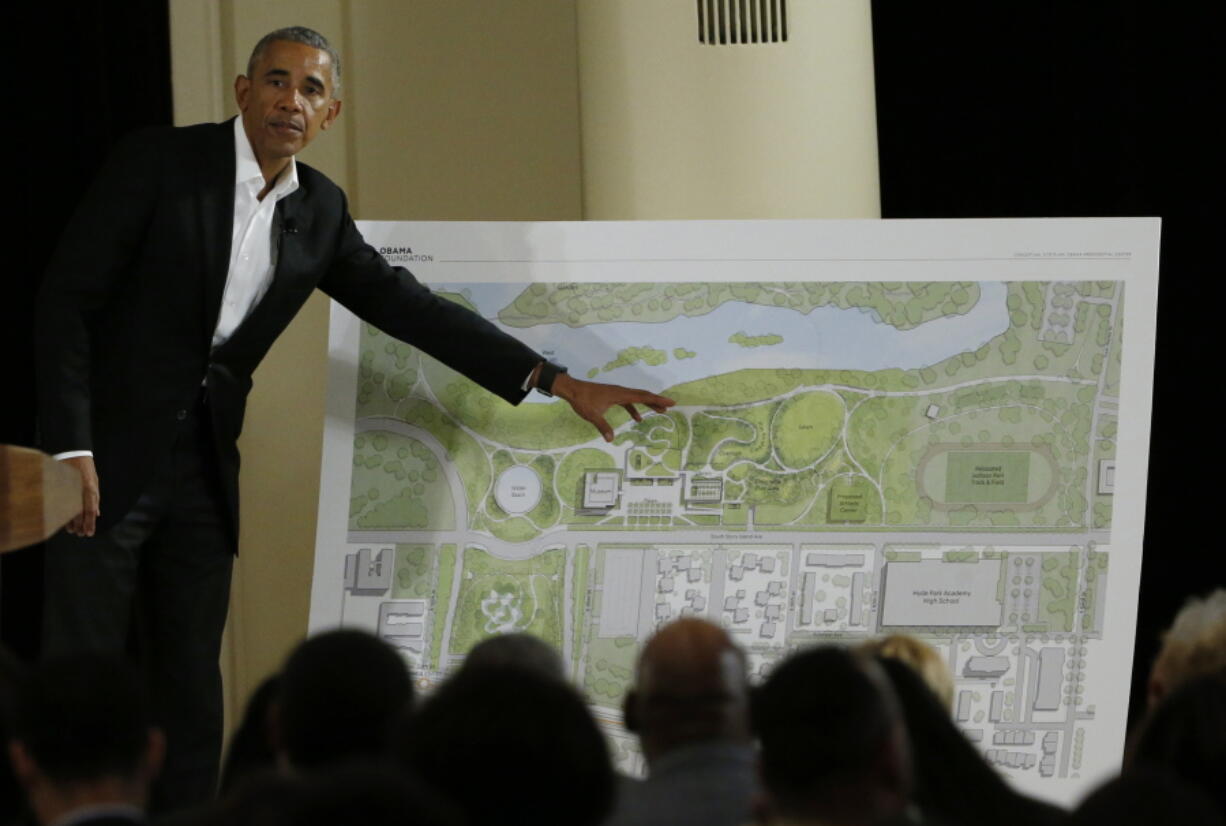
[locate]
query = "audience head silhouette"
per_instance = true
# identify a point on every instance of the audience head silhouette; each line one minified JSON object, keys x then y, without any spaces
{"x":690,"y":687}
{"x":340,"y":696}
{"x":82,"y":737}
{"x":512,"y":746}
{"x":832,"y":742}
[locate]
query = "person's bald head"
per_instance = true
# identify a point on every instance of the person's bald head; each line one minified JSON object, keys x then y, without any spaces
{"x":691,"y":686}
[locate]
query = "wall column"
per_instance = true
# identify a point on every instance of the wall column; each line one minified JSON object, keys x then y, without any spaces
{"x":677,"y":128}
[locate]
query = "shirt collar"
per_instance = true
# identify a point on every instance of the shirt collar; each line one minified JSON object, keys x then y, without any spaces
{"x":247,"y":168}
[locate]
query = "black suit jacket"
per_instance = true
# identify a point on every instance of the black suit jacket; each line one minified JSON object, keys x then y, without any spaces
{"x":130,"y":301}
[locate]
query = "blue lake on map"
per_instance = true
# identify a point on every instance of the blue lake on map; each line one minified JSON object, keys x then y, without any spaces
{"x":825,"y":338}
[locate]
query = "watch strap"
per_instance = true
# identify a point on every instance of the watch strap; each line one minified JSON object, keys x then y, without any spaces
{"x":547,"y":376}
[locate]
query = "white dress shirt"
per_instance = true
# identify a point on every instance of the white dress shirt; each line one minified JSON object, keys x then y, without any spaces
{"x":252,"y":251}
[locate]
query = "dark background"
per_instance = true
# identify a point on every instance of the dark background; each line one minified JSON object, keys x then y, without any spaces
{"x":86,"y":72}
{"x":1044,"y":109}
{"x":984,"y":110}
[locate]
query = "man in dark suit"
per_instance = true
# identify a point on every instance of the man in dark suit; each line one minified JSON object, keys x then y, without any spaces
{"x":192,"y":251}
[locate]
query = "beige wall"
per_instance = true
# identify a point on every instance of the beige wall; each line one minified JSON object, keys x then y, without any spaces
{"x":465,"y":109}
{"x":471,"y":109}
{"x":443,"y":118}
{"x":675,"y":128}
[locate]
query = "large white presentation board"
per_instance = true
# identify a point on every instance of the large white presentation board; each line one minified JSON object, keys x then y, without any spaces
{"x":931,"y":427}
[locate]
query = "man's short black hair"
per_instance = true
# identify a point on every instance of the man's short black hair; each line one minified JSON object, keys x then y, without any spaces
{"x":83,"y":718}
{"x":340,"y":696}
{"x":512,"y":746}
{"x":822,"y":718}
{"x":307,"y":37}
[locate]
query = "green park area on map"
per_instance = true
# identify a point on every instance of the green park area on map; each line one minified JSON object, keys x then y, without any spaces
{"x":1003,"y":434}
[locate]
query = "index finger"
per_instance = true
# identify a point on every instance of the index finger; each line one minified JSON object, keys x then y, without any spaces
{"x":88,"y":519}
{"x":605,"y":430}
{"x":89,"y":511}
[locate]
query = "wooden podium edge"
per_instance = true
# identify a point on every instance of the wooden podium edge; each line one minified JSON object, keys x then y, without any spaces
{"x":38,"y":496}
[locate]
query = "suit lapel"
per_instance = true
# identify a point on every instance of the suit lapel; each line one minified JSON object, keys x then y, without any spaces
{"x":216,"y":194}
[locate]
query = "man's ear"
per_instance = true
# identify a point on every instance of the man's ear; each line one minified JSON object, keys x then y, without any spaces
{"x":334,"y":112}
{"x":1156,"y":686}
{"x":242,"y":89}
{"x":155,"y":752}
{"x":1155,"y":689}
{"x":276,"y":738}
{"x":24,"y":767}
{"x":630,"y":714}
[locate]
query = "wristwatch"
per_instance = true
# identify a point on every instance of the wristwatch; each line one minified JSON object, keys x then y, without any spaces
{"x":547,"y":376}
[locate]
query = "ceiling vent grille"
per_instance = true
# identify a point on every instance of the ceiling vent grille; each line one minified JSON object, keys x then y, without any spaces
{"x":734,"y":22}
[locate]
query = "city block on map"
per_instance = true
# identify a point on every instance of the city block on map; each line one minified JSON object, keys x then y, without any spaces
{"x":947,"y":472}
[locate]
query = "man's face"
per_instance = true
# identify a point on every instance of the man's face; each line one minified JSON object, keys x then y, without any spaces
{"x":286,"y":100}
